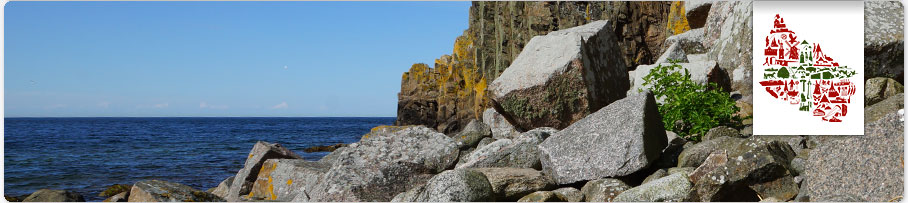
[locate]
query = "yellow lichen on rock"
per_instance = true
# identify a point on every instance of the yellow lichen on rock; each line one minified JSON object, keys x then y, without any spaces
{"x":677,"y":19}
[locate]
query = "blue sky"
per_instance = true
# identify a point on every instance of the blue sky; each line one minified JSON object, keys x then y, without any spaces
{"x":66,"y":59}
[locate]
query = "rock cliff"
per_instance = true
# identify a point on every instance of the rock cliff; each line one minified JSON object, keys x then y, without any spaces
{"x":452,"y":92}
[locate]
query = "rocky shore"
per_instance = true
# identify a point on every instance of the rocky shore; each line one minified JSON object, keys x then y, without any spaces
{"x":540,"y":102}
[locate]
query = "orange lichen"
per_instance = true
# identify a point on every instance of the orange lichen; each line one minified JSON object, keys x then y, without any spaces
{"x":677,"y":19}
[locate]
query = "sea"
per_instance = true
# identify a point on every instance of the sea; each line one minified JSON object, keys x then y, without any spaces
{"x":88,"y":154}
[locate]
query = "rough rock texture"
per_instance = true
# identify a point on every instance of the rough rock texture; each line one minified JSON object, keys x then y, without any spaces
{"x":884,"y":45}
{"x":462,"y":185}
{"x":695,"y":155}
{"x":261,"y":151}
{"x":163,"y":191}
{"x":674,"y":52}
{"x":675,"y":187}
{"x":617,"y":140}
{"x":721,"y":131}
{"x":568,"y":194}
{"x":510,"y":184}
{"x":691,"y":42}
{"x":223,"y":188}
{"x":115,"y":189}
{"x":472,"y":134}
{"x":47,"y":195}
{"x":119,"y":197}
{"x":284,"y":179}
{"x":561,"y":77}
{"x":728,"y":33}
{"x":603,"y":190}
{"x":382,"y":165}
{"x":869,"y":167}
{"x":876,"y":111}
{"x":501,"y":129}
{"x":669,"y":156}
{"x":520,"y":152}
{"x":539,"y":196}
{"x":878,"y":89}
{"x":752,"y":168}
{"x":447,"y":96}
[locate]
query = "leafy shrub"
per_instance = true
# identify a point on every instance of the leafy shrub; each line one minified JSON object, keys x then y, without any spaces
{"x":700,"y":107}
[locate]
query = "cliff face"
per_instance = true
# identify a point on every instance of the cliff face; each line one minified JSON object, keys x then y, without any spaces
{"x":452,"y":93}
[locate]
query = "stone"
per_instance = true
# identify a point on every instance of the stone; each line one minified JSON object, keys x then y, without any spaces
{"x":461,"y":185}
{"x":12,"y":198}
{"x":701,"y":72}
{"x":472,"y":134}
{"x":696,"y":12}
{"x":728,"y":32}
{"x":261,"y":151}
{"x":694,"y":155}
{"x":561,"y":77}
{"x":669,"y":156}
{"x":691,"y":42}
{"x":721,"y":131}
{"x":328,"y":148}
{"x":878,"y":89}
{"x":114,"y":189}
{"x":603,"y":190}
{"x":412,"y":195}
{"x":686,"y":170}
{"x":884,"y":50}
{"x":880,"y":109}
{"x":674,"y":187}
{"x":519,"y":153}
{"x":223,"y":188}
{"x":674,"y":52}
{"x":655,"y":175}
{"x":869,"y":167}
{"x":619,"y":139}
{"x":539,"y":196}
{"x":383,"y":165}
{"x":510,"y":184}
{"x":163,"y":191}
{"x":284,"y":179}
{"x":795,"y":141}
{"x":568,"y":194}
{"x":714,"y":161}
{"x":501,"y":129}
{"x":119,"y":197}
{"x":48,"y":195}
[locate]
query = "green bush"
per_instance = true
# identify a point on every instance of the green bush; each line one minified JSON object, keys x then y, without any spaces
{"x":700,"y":107}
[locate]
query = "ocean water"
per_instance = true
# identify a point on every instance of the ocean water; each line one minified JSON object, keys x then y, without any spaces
{"x":88,"y":154}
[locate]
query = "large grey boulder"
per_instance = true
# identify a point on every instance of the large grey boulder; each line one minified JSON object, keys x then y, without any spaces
{"x":461,"y":185}
{"x":884,"y":45}
{"x":878,"y":89}
{"x":617,"y":140}
{"x":48,"y":195}
{"x":261,"y":151}
{"x":510,"y":184}
{"x":568,"y":194}
{"x":223,"y":188}
{"x":691,"y":42}
{"x":383,"y":165}
{"x":675,"y":188}
{"x":472,"y":134}
{"x":868,"y":167}
{"x":163,"y":191}
{"x":674,"y":52}
{"x":561,"y":77}
{"x":603,"y":190}
{"x":520,"y":152}
{"x":761,"y":166}
{"x":729,"y":34}
{"x":500,"y":127}
{"x":876,"y":111}
{"x":284,"y":179}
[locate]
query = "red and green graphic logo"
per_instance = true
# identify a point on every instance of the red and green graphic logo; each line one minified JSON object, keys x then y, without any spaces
{"x":799,"y":73}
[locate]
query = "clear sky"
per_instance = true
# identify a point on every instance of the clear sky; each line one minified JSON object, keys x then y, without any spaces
{"x":66,"y":59}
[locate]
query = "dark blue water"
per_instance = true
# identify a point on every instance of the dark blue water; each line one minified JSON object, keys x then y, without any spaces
{"x":88,"y":154}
